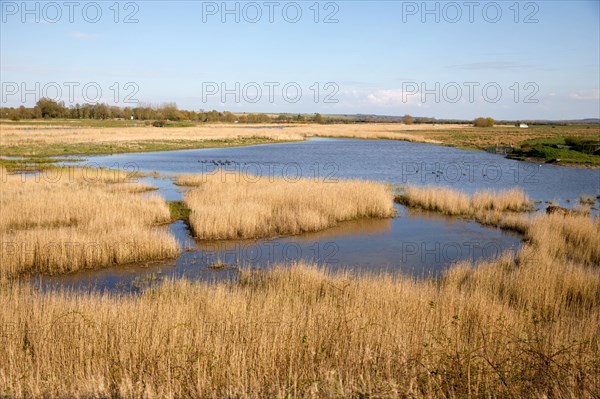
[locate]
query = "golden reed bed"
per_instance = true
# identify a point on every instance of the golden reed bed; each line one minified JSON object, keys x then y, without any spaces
{"x":242,"y":206}
{"x":74,"y":219}
{"x":451,"y":202}
{"x":524,"y":325}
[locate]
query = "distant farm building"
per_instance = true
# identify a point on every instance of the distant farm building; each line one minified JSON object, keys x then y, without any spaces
{"x":523,"y":126}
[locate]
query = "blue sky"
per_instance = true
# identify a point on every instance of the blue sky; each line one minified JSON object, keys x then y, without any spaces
{"x":372,"y":57}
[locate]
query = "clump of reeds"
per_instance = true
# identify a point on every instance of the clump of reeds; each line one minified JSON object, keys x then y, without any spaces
{"x":513,"y":200}
{"x":75,"y":222}
{"x":495,"y":208}
{"x":437,"y":199}
{"x":226,"y":206}
{"x":452,"y":202}
{"x":574,"y":237}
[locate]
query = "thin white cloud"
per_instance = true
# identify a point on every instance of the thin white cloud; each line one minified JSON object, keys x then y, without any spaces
{"x":393,"y":97}
{"x":491,"y":66}
{"x":586,"y":95}
{"x":83,"y":36}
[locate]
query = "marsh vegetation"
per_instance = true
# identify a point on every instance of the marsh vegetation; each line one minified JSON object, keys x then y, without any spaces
{"x":524,"y":325}
{"x":227,"y":205}
{"x":83,"y":218}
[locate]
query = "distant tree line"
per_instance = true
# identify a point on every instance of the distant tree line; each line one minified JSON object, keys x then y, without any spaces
{"x":49,"y":109}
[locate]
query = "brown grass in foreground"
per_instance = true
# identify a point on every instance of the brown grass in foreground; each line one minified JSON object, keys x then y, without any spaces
{"x":228,"y":206}
{"x":524,"y":325}
{"x":78,"y":219}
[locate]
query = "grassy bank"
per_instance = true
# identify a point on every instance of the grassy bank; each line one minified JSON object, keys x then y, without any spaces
{"x":34,"y":151}
{"x":524,"y":325}
{"x":75,"y":219}
{"x":241,"y":206}
{"x":33,"y":164}
{"x":475,"y":138}
{"x":536,"y":143}
{"x":67,"y":137}
{"x":558,"y":150}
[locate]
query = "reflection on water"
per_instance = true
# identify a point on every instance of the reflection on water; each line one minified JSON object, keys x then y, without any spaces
{"x":415,"y":243}
{"x":354,"y":228}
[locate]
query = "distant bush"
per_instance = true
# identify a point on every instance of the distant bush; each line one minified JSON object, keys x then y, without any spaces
{"x":15,"y":118}
{"x":483,"y":122}
{"x":159,"y":123}
{"x":408,"y":120}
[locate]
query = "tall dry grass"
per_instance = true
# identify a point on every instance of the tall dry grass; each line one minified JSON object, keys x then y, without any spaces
{"x":571,"y":238}
{"x":451,"y":202}
{"x":78,"y":219}
{"x":513,"y":200}
{"x":493,"y":208}
{"x":507,"y":221}
{"x":524,"y":325}
{"x":437,"y":199}
{"x":231,"y":206}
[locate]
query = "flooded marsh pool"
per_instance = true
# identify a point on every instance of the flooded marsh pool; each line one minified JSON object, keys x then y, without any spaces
{"x":420,"y":244}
